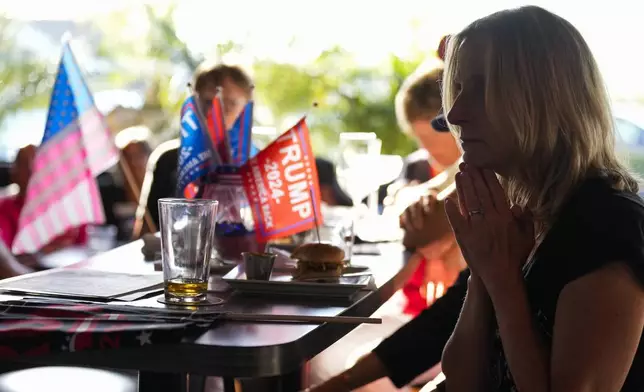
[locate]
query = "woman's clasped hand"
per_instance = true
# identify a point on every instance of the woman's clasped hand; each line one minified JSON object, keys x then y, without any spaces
{"x":495,"y":238}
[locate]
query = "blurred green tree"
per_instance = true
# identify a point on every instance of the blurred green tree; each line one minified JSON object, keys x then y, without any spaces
{"x":350,"y":98}
{"x":155,"y":40}
{"x":164,"y":42}
{"x":24,"y":80}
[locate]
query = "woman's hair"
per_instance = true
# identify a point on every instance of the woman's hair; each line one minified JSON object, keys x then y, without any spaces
{"x":542,"y":82}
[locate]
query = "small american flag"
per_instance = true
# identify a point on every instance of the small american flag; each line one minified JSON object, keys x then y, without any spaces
{"x":62,"y":193}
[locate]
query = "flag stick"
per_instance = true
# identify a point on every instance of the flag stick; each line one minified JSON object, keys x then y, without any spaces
{"x":315,"y":216}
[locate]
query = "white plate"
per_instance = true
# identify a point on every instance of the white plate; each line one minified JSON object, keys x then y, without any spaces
{"x":282,"y":283}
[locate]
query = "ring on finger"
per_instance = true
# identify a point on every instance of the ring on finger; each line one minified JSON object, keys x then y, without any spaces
{"x":478,"y":211}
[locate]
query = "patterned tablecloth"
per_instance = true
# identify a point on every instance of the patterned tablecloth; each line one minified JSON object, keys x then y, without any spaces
{"x":30,"y":328}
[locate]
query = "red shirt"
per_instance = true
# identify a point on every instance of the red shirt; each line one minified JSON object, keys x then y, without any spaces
{"x":10,"y":208}
{"x":413,"y":291}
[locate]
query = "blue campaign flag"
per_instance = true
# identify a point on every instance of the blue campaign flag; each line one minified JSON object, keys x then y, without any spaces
{"x":195,"y":154}
{"x":240,"y":136}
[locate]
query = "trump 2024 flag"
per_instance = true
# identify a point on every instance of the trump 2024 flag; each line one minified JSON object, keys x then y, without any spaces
{"x":281,"y":183}
{"x":62,"y":193}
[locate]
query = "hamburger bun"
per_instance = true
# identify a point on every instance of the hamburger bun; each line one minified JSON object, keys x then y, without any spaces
{"x":319,"y":252}
{"x":317,"y":260}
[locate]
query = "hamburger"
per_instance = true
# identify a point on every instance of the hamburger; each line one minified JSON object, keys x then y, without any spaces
{"x":318,"y":260}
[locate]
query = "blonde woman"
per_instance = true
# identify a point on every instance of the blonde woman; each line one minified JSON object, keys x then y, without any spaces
{"x":548,"y":220}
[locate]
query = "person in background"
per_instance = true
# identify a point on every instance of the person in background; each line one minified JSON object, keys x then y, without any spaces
{"x":428,"y":233}
{"x":11,"y":207}
{"x":115,"y":190}
{"x":412,"y":115}
{"x":332,"y":192}
{"x":136,"y":154}
{"x":396,"y":357}
{"x":418,"y":103}
{"x":135,"y":151}
{"x":416,"y":346}
{"x":236,"y":88}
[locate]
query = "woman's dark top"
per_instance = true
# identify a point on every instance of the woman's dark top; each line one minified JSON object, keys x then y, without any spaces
{"x":418,"y":345}
{"x":597,"y":226}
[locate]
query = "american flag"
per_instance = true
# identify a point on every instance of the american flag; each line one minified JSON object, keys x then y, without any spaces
{"x":62,"y":193}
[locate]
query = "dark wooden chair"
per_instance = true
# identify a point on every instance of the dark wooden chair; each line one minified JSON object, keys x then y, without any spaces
{"x":159,"y":181}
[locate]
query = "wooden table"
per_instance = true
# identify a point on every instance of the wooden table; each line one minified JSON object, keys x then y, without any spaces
{"x":273,"y":354}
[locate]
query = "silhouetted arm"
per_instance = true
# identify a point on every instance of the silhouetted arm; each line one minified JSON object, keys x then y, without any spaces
{"x":9,"y":264}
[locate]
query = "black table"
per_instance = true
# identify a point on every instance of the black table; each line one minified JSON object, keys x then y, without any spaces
{"x":272,"y":354}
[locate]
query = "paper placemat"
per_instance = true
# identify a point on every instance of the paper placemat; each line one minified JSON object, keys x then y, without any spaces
{"x":81,"y":283}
